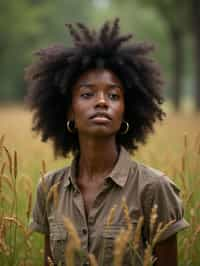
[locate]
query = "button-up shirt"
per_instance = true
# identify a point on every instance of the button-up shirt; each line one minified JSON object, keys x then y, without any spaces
{"x":142,"y":188}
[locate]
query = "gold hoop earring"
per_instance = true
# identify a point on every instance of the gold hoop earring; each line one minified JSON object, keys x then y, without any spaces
{"x":126,"y":129}
{"x":71,"y":126}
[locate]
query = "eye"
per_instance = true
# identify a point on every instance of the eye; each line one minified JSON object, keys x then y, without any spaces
{"x":114,"y":96}
{"x":86,"y":95}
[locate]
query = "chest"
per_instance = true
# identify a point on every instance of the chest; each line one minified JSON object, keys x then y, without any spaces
{"x":89,"y":192}
{"x":96,"y":201}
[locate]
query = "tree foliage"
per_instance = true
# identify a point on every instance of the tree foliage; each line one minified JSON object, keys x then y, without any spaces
{"x":25,"y":26}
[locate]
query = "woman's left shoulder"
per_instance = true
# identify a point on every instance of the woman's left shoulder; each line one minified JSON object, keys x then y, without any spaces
{"x":155,"y":178}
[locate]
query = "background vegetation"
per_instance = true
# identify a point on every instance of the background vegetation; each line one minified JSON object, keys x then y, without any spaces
{"x":27,"y":25}
{"x":175,"y":149}
{"x":173,"y":26}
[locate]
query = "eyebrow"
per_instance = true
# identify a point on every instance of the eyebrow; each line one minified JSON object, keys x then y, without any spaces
{"x":111,"y":85}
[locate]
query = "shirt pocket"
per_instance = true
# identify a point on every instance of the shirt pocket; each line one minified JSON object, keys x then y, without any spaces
{"x":109,"y":235}
{"x":58,"y":241}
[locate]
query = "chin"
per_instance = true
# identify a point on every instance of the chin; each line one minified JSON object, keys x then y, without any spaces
{"x":102,"y":132}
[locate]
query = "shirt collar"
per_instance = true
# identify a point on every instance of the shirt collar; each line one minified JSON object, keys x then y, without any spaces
{"x":118,"y":175}
{"x":120,"y":172}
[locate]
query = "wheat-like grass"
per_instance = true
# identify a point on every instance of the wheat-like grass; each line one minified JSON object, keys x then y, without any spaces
{"x":187,"y":176}
{"x":153,"y":220}
{"x":138,"y":231}
{"x":127,"y":215}
{"x":29,"y":206}
{"x":15,"y":166}
{"x":120,"y":245}
{"x":72,"y":232}
{"x":53,"y":193}
{"x":9,"y":157}
{"x":50,"y":262}
{"x":44,"y":168}
{"x":111,"y":215}
{"x":148,"y":258}
{"x":160,"y":231}
{"x":92,"y":260}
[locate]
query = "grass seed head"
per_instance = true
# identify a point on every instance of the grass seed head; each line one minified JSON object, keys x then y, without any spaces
{"x":111,"y":215}
{"x":72,"y":232}
{"x":138,"y":231}
{"x":92,"y":259}
{"x":127,"y":215}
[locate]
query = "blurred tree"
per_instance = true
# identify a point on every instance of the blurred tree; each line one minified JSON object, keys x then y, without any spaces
{"x":195,"y":23}
{"x":25,"y":26}
{"x":19,"y":24}
{"x":173,"y":13}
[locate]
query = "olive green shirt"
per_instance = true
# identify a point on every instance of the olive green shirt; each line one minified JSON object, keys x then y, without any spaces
{"x":141,"y":186}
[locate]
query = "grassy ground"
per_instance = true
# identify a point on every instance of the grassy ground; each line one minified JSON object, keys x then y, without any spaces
{"x":175,"y":149}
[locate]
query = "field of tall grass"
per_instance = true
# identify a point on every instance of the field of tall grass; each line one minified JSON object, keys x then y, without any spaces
{"x":174,"y":148}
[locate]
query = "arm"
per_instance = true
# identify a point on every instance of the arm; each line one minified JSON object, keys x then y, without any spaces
{"x":47,"y":251}
{"x":166,"y":252}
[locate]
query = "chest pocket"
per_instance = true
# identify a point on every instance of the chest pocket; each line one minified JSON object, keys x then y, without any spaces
{"x":109,"y":236}
{"x":58,"y":241}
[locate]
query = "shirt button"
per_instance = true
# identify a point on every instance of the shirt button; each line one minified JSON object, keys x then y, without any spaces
{"x":84,"y":231}
{"x":86,"y":263}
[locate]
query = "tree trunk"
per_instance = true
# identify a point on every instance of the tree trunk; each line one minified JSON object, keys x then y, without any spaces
{"x":177,"y":65}
{"x":196,"y":36}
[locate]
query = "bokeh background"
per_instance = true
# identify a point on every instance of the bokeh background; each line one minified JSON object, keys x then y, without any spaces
{"x":173,"y":26}
{"x":27,"y":25}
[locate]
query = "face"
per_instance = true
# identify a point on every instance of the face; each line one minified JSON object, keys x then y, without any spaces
{"x":98,"y":103}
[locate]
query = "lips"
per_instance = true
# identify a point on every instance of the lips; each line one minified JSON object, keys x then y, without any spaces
{"x":101,"y":115}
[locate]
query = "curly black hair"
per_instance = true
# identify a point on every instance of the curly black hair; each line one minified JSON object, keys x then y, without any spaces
{"x":51,"y":79}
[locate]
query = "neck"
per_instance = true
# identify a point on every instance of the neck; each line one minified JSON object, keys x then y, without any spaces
{"x":97,"y":158}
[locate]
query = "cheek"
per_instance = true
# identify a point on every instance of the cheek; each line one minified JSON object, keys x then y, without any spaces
{"x":121,"y":110}
{"x":79,"y":113}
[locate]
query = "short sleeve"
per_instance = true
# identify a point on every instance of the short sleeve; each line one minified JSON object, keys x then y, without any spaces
{"x":164,"y":194}
{"x":39,"y":221}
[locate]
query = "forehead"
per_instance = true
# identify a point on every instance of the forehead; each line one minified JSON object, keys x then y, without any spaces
{"x":98,"y":76}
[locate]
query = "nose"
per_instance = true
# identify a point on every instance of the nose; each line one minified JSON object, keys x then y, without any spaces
{"x":101,"y":100}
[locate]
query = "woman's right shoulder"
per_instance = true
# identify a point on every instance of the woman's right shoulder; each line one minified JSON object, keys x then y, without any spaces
{"x":53,"y":177}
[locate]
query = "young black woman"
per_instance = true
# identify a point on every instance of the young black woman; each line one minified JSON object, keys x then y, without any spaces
{"x":99,"y":99}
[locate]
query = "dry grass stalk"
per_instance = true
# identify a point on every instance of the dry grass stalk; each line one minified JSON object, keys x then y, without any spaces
{"x":9,"y":160}
{"x":53,"y":193}
{"x":120,"y":244}
{"x":44,"y":169}
{"x":126,"y":215}
{"x":72,"y":232}
{"x":50,"y":262}
{"x":18,"y":223}
{"x":137,"y":235}
{"x":44,"y":186}
{"x":153,"y":220}
{"x":160,"y":231}
{"x":111,"y":214}
{"x":3,"y":246}
{"x":185,"y":141}
{"x":15,"y":167}
{"x":6,"y":179}
{"x":1,"y":174}
{"x":74,"y":243}
{"x":92,"y":260}
{"x":69,"y":254}
{"x":148,"y":258}
{"x":3,"y":167}
{"x":1,"y":144}
{"x":29,"y":207}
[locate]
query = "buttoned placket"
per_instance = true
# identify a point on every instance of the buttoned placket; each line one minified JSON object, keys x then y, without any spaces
{"x":79,"y":203}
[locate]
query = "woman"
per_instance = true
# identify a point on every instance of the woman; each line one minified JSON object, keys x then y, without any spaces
{"x":99,"y":99}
